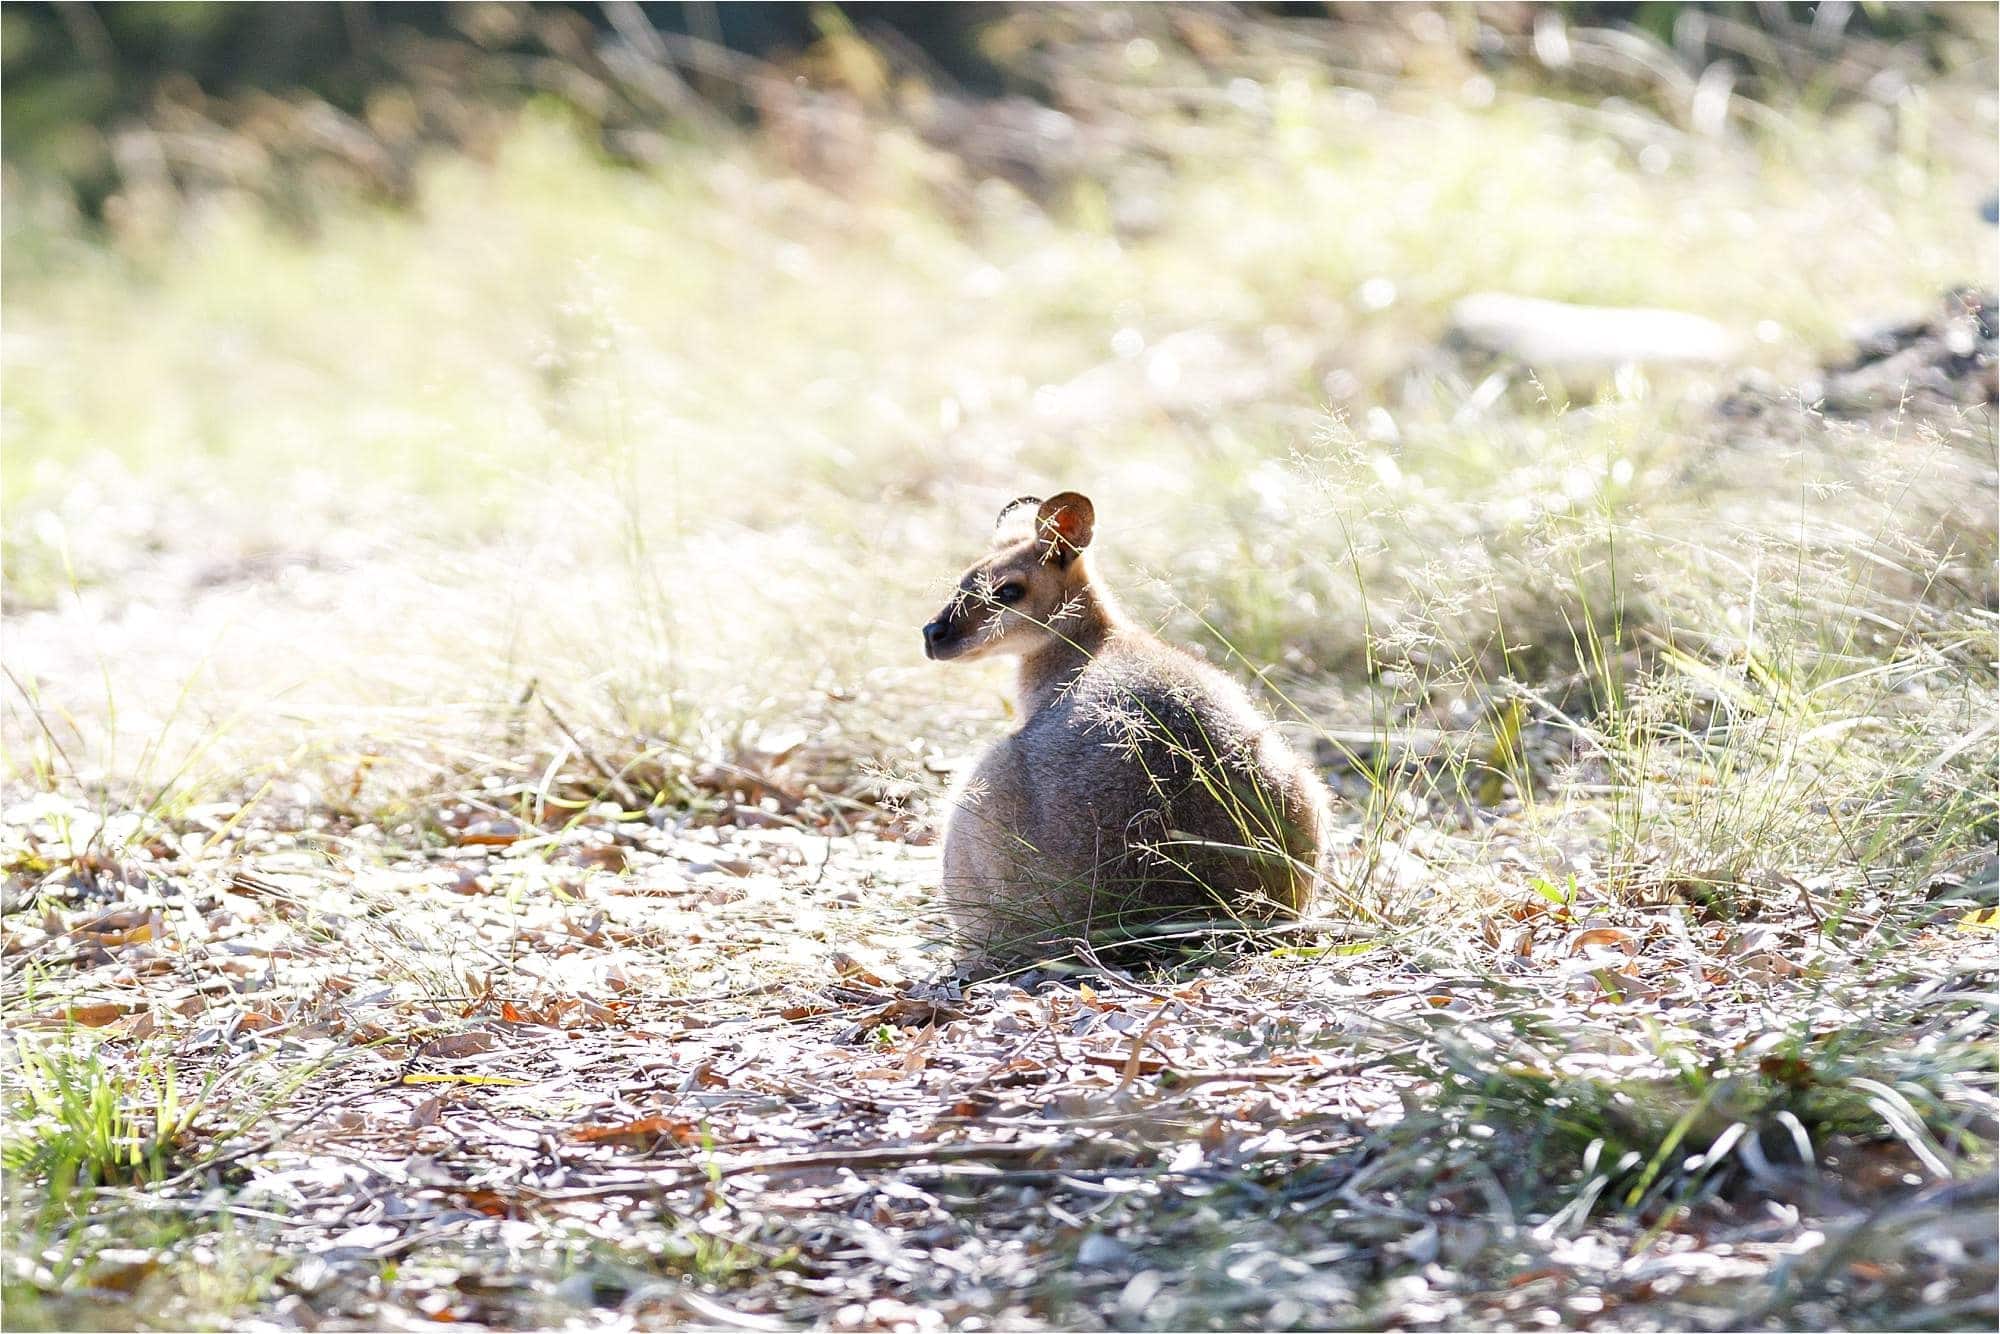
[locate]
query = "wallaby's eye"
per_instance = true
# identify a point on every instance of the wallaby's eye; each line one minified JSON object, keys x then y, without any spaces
{"x":1011,"y":593}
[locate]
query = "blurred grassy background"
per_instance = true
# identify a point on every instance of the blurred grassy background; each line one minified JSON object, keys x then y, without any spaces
{"x":348,"y":397}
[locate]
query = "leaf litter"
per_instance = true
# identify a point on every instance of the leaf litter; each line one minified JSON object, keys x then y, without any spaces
{"x":726,"y":1077}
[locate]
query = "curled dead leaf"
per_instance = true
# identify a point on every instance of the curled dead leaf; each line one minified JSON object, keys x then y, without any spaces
{"x":138,"y":935}
{"x":490,"y":833}
{"x":119,"y":921}
{"x":1604,"y":937}
{"x":644,"y":1133}
{"x":95,"y":1015}
{"x":487,"y":1202}
{"x":601,"y":1014}
{"x":852,"y":971}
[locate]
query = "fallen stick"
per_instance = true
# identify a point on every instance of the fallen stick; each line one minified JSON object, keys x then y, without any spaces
{"x":892,"y":1156}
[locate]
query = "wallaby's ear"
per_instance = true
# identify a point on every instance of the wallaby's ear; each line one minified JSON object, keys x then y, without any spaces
{"x":1018,"y":502}
{"x":1064,"y":522}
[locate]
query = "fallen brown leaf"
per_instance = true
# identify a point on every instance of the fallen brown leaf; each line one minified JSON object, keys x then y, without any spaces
{"x":643,"y":1133}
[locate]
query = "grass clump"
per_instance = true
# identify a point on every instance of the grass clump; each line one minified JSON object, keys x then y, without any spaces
{"x":79,"y":1122}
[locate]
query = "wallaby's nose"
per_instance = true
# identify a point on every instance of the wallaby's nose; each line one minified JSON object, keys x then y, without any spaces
{"x":934,"y":634}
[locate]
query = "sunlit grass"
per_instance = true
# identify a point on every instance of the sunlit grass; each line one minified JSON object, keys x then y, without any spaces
{"x":80,"y":1123}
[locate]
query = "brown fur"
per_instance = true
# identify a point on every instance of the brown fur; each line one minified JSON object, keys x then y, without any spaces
{"x":1143,"y":784}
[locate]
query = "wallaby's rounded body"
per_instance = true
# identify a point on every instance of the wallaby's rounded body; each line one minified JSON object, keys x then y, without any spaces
{"x":1142,"y":784}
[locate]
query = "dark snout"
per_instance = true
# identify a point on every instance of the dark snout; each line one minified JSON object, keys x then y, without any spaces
{"x":936,"y":636}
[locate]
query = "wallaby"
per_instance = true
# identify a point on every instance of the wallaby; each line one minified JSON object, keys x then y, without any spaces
{"x":1142,"y":785}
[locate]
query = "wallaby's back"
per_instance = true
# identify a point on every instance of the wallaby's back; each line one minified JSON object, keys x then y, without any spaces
{"x":1158,"y":774}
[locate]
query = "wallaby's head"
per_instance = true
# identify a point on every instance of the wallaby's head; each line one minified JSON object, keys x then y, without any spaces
{"x":1023,"y":594}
